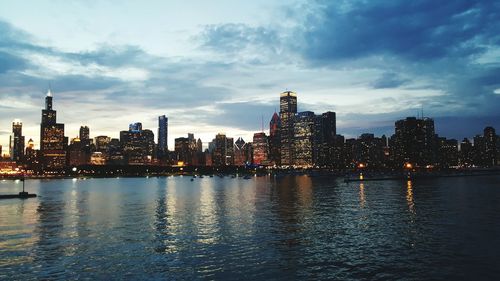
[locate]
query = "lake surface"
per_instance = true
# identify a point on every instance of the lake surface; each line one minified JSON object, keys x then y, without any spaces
{"x":264,"y":228}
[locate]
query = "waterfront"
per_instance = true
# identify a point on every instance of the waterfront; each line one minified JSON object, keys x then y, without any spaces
{"x":291,"y":227}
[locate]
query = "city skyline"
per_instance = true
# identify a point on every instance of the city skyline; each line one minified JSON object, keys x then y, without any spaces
{"x":209,"y":65}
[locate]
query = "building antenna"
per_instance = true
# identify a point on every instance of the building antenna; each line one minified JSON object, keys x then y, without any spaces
{"x":422,"y":111}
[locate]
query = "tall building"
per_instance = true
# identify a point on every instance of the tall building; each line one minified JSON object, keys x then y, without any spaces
{"x":84,"y":134}
{"x":288,"y":109}
{"x":220,"y":150}
{"x":414,"y":141}
{"x":303,"y":139}
{"x":53,"y":143}
{"x":162,"y":136}
{"x":490,"y":147}
{"x":76,"y":153}
{"x":260,"y":149}
{"x":185,"y":149}
{"x":31,"y":157}
{"x":328,"y":134}
{"x":17,"y":142}
{"x":275,"y":140}
{"x":137,"y":145}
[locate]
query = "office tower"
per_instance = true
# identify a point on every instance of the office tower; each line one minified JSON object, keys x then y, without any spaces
{"x":414,"y":141}
{"x":368,"y":150}
{"x":32,"y":157}
{"x":260,"y":149}
{"x":162,"y":136}
{"x":137,"y":145}
{"x":288,"y":109}
{"x":466,"y":157}
{"x":84,"y":134}
{"x":199,"y":145}
{"x":76,"y":153}
{"x":17,"y":142}
{"x":229,"y":151}
{"x":328,"y":134}
{"x":275,"y":140}
{"x":240,"y":158}
{"x":183,"y":150}
{"x":490,"y":147}
{"x":303,"y":139}
{"x":102,"y":143}
{"x":115,"y":153}
{"x":447,"y":153}
{"x":53,"y":143}
{"x":220,"y":150}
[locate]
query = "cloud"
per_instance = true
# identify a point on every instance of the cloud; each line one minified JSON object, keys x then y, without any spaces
{"x":389,"y":80}
{"x":422,"y":30}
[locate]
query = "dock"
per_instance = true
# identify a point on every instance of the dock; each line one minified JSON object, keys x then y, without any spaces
{"x":20,"y":195}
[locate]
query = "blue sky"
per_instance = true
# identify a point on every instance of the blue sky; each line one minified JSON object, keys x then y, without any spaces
{"x":218,"y":66}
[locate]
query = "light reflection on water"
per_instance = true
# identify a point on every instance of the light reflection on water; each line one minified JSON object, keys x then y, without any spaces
{"x":292,"y":227}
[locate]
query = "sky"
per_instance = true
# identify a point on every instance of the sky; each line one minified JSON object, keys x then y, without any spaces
{"x":219,"y":66}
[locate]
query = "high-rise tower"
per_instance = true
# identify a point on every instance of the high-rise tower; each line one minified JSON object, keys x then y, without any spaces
{"x":17,"y":142}
{"x":162,"y":136}
{"x":53,"y":143}
{"x":288,"y":109}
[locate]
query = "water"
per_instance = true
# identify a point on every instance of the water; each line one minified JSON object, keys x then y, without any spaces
{"x":265,"y":228}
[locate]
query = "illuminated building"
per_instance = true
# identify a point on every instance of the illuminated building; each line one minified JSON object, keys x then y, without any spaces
{"x":17,"y":142}
{"x":240,"y":155}
{"x":447,"y":152}
{"x":466,"y":154}
{"x":32,"y":157}
{"x":115,"y":154}
{"x":102,"y":143}
{"x":275,"y":140}
{"x":325,"y":147}
{"x":98,"y":158}
{"x":220,"y":150}
{"x":162,"y":136}
{"x":369,"y":150}
{"x":76,"y":154}
{"x":53,"y":143}
{"x":288,"y":109}
{"x":414,"y":141}
{"x":490,"y":147}
{"x":303,"y":138}
{"x":137,"y":145}
{"x":84,"y":135}
{"x":183,"y":150}
{"x":229,"y":151}
{"x":260,"y":149}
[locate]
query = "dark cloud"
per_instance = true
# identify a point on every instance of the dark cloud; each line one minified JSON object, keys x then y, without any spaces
{"x":419,"y":30}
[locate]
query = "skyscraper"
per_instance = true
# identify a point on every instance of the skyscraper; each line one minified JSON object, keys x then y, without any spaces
{"x":414,"y":141}
{"x":162,"y":136}
{"x":137,"y":144}
{"x":53,"y":143}
{"x":17,"y":142}
{"x":288,"y":109}
{"x":303,"y":141}
{"x":84,"y":134}
{"x":328,"y":133}
{"x":260,"y":149}
{"x":490,"y":147}
{"x":274,"y":139}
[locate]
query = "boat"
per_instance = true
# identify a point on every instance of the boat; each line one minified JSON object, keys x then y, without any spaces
{"x":247,"y":177}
